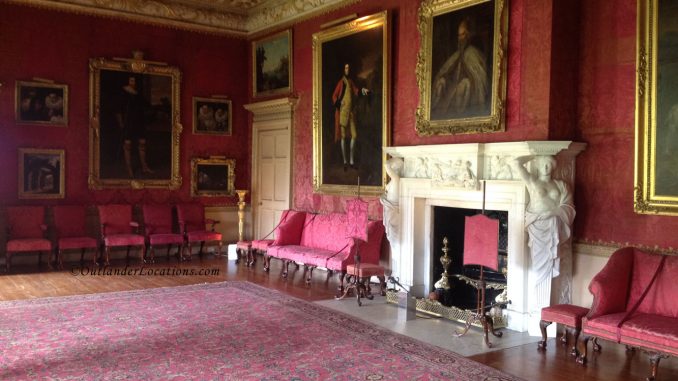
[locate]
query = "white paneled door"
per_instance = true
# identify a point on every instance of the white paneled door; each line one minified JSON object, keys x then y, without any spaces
{"x":271,"y":164}
{"x":273,"y":179}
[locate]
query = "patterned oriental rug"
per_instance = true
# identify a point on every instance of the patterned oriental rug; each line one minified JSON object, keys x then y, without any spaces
{"x":217,"y":331}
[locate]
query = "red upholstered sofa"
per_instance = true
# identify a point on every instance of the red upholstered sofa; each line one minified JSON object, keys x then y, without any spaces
{"x":321,"y":240}
{"x":627,"y":311}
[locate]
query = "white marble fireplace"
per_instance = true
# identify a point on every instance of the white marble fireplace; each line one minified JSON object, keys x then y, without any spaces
{"x":451,"y":175}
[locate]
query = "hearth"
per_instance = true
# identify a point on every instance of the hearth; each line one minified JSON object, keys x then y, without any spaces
{"x":449,"y":223}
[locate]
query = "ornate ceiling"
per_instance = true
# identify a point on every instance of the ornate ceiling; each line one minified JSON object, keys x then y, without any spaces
{"x":235,"y":17}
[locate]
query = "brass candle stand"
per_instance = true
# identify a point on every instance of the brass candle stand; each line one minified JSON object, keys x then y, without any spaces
{"x":445,"y":260}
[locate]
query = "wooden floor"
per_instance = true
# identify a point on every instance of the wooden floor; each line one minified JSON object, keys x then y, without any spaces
{"x":612,"y":364}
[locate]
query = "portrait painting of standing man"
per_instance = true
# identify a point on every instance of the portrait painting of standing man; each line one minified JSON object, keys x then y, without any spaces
{"x":134,"y":124}
{"x":350,"y":69}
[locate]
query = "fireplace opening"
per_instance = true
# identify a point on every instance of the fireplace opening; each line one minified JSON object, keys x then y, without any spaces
{"x":449,"y":222}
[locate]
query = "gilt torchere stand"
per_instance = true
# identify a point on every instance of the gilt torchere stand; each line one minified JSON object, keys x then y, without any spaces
{"x":241,"y":225}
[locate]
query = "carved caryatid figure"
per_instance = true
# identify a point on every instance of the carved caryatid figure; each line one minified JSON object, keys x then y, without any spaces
{"x":390,"y":198}
{"x":549,"y":218}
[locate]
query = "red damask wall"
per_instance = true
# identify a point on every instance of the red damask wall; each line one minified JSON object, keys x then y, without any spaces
{"x":529,"y":71}
{"x":605,"y":120}
{"x":58,"y":45}
{"x":571,"y":73}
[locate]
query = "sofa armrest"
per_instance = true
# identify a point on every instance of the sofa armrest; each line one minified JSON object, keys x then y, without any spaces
{"x":610,"y":287}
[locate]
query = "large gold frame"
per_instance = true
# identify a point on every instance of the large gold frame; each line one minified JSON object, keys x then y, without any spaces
{"x":22,"y":194}
{"x":377,"y":20}
{"x":496,"y":120}
{"x":139,"y":66}
{"x":217,"y":161}
{"x":646,"y":199}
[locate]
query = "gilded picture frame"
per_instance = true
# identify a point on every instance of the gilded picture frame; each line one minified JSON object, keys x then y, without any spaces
{"x":461,"y":66}
{"x":212,"y":116}
{"x":135,"y":124}
{"x":44,"y":103}
{"x":42,"y":173}
{"x":272,"y":65}
{"x":349,"y":132}
{"x":212,"y":177}
{"x":656,"y":117}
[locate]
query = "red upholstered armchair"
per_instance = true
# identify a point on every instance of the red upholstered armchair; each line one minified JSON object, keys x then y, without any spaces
{"x":118,"y":229}
{"x":25,"y":231}
{"x":192,"y":224}
{"x":158,"y":229}
{"x":69,"y":222}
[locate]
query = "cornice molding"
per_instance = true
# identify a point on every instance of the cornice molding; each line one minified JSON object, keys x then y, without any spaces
{"x":225,"y":17}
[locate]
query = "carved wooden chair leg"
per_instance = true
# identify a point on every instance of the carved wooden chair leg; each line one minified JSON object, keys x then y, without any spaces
{"x":108,"y":256}
{"x":581,"y":347}
{"x":95,"y":256}
{"x":630,"y":349}
{"x":596,"y":346}
{"x":286,"y":268}
{"x":340,"y":288}
{"x":542,"y":326}
{"x":563,"y":338}
{"x":39,"y":259}
{"x":151,"y":250}
{"x":309,"y":275}
{"x":575,"y":336}
{"x":142,"y":254}
{"x":169,"y":248}
{"x":654,"y":364}
{"x":60,"y":259}
{"x":82,"y":256}
{"x":268,"y":263}
{"x":382,"y":284}
{"x":127,"y":254}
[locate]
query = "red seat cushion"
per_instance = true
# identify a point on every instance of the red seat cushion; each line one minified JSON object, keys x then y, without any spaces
{"x":567,"y":314}
{"x":205,"y":235}
{"x":77,"y":243}
{"x":261,"y":244}
{"x":644,"y":330}
{"x":365,"y":270}
{"x":124,"y":240}
{"x":29,"y":244}
{"x":166,"y":239}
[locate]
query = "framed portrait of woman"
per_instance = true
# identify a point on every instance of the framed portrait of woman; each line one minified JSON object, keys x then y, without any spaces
{"x":134,"y":124}
{"x":351,"y":106}
{"x":461,"y":71}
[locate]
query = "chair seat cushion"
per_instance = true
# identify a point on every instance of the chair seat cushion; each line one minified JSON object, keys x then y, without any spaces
{"x":567,"y":314}
{"x":307,"y":255}
{"x":68,"y":243}
{"x":261,"y":244}
{"x":365,"y":270}
{"x":204,"y":235}
{"x":165,"y":239}
{"x":29,"y":244}
{"x":124,"y":240}
{"x":243,"y":245}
